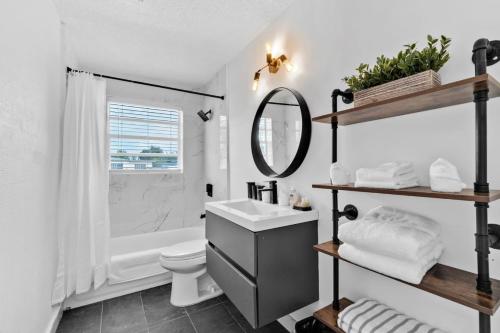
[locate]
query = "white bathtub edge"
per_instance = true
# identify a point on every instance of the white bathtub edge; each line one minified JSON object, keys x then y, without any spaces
{"x":115,"y":290}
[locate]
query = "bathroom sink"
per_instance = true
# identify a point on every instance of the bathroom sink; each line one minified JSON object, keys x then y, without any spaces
{"x":257,"y":215}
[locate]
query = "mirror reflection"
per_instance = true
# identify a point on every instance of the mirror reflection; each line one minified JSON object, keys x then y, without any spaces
{"x":280,"y":130}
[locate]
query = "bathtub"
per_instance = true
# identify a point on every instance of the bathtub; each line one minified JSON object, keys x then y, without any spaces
{"x":134,"y":265}
{"x":136,"y":257}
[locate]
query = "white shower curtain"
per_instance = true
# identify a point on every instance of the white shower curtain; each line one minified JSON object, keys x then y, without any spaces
{"x":83,"y":219}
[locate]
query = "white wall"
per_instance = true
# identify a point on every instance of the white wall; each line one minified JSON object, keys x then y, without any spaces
{"x":327,"y":40}
{"x":216,"y":171}
{"x":31,"y":96}
{"x":141,"y":203}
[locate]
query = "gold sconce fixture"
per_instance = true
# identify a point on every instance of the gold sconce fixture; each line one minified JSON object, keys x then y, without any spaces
{"x":273,"y":65}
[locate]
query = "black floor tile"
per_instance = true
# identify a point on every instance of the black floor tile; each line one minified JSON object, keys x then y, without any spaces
{"x":214,"y":319}
{"x":179,"y":325}
{"x":274,"y":327}
{"x":124,"y":314}
{"x":223,"y":298}
{"x":157,"y":305}
{"x":85,"y":319}
{"x":203,"y":305}
{"x":151,"y":308}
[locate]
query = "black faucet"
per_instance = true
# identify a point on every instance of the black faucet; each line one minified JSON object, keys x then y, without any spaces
{"x":252,"y":190}
{"x":273,"y":188}
{"x":255,"y":191}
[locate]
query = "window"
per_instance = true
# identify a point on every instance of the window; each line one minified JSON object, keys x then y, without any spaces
{"x":144,"y":138}
{"x":266,"y":139}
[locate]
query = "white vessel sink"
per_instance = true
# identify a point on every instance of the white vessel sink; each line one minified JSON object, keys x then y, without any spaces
{"x":256,"y":215}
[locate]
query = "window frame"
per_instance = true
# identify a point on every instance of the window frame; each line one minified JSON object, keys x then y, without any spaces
{"x":146,"y":104}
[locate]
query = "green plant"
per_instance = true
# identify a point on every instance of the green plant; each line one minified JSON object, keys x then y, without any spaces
{"x":408,"y":61}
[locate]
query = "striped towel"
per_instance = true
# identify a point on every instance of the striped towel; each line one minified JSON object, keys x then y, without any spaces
{"x":370,"y":316}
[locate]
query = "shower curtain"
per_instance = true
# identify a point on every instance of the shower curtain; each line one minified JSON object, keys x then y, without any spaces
{"x":83,"y":216}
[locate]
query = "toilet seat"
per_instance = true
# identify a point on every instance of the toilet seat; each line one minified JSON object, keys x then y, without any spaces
{"x":185,"y":250}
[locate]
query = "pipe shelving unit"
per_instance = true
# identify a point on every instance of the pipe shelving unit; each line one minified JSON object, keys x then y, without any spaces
{"x":476,"y":291}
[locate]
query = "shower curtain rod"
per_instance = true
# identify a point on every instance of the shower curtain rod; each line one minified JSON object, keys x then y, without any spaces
{"x":68,"y":69}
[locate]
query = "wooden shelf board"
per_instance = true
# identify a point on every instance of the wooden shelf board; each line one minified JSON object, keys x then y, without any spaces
{"x":328,"y":315}
{"x":454,"y":93}
{"x":448,"y":282}
{"x":419,"y":191}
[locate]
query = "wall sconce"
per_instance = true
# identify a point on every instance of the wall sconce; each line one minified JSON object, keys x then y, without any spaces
{"x":273,"y":64}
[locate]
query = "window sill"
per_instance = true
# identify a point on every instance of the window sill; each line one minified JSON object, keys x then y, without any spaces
{"x":145,"y":172}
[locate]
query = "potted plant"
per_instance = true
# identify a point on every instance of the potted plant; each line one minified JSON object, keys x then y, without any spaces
{"x":411,"y":70}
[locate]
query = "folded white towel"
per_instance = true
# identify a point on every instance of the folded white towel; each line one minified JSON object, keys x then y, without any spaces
{"x":444,"y":177}
{"x":405,"y":270}
{"x":392,"y":232}
{"x":395,"y":184}
{"x":385,"y":171}
{"x":367,"y":315}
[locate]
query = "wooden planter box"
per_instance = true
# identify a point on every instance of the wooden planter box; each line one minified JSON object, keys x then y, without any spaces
{"x":404,"y":86}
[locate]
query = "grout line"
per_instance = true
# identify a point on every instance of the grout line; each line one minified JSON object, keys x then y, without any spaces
{"x":189,"y":317}
{"x":234,"y":318}
{"x":166,"y":320}
{"x":144,"y":311}
{"x":102,"y":311}
{"x":206,"y":308}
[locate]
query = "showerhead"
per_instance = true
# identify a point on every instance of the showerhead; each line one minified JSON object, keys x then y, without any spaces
{"x":205,"y":115}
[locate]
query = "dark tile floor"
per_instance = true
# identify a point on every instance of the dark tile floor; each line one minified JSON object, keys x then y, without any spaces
{"x":150,"y":311}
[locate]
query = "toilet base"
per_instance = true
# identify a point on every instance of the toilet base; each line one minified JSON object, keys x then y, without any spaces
{"x":193,"y":288}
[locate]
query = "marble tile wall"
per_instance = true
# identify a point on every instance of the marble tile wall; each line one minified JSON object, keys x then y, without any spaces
{"x":150,"y":202}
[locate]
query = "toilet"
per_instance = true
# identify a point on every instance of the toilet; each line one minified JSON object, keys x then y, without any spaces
{"x":191,"y":283}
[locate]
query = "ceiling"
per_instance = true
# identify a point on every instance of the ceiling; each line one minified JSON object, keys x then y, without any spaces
{"x":183,"y":41}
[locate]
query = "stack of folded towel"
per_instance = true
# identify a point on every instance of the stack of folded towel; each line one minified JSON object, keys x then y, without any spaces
{"x":368,"y":315}
{"x":393,"y":242}
{"x":392,"y":175}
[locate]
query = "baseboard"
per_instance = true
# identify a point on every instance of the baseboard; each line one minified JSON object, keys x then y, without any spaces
{"x":55,"y":319}
{"x":288,"y":322}
{"x":108,"y":291}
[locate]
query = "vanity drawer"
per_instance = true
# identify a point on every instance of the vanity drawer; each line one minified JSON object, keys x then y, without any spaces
{"x":234,"y":241}
{"x":238,"y":288}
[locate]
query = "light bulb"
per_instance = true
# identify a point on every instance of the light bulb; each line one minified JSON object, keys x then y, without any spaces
{"x":255,"y":85}
{"x":256,"y":78}
{"x":289,"y":66}
{"x":268,"y":48}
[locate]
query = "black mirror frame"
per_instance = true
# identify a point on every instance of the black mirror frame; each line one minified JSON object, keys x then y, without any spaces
{"x":305,"y":138}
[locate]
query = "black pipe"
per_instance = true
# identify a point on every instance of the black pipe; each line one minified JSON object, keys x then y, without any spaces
{"x":347,"y":98}
{"x":68,"y":69}
{"x":483,"y":282}
{"x":484,"y":323}
{"x":335,"y":209}
{"x":481,"y":51}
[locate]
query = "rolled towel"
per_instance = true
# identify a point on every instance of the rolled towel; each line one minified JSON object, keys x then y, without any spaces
{"x":367,"y":315}
{"x":405,"y":270}
{"x":392,"y":232}
{"x":444,"y":177}
{"x":384,"y":172}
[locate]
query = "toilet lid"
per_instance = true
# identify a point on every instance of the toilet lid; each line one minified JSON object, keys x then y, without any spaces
{"x":184,"y":250}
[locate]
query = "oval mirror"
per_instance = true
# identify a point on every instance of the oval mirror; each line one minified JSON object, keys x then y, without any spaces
{"x":281,"y":133}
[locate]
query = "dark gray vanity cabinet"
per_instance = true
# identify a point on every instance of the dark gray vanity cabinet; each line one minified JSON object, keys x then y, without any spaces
{"x":266,"y":274}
